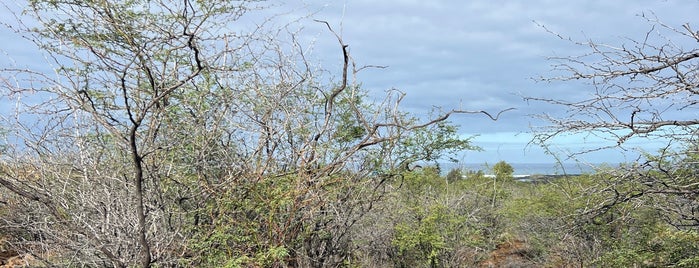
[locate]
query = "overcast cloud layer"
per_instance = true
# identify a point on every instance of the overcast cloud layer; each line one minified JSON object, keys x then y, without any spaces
{"x":483,"y":55}
{"x":474,"y":55}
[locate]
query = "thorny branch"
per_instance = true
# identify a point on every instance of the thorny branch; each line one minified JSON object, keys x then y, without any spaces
{"x":645,"y":89}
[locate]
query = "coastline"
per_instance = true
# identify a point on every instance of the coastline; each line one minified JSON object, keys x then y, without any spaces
{"x":522,"y":170}
{"x":533,"y":177}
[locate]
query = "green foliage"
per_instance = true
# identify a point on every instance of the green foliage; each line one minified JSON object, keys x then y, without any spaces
{"x":424,"y":238}
{"x":436,"y":142}
{"x":679,"y":248}
{"x":431,"y":222}
{"x":350,"y":127}
{"x":475,"y":175}
{"x":252,"y":225}
{"x":661,"y":247}
{"x":424,"y":180}
{"x":503,"y":170}
{"x":454,"y":175}
{"x":3,"y":138}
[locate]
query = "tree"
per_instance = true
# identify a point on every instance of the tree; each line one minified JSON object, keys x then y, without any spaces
{"x":165,"y":138}
{"x":503,"y":173}
{"x":643,"y":88}
{"x":503,"y":170}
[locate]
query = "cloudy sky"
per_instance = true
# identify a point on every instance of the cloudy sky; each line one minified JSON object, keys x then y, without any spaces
{"x":473,"y":55}
{"x":483,"y":55}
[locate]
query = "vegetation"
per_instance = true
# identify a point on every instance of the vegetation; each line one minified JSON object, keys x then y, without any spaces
{"x":170,"y":135}
{"x":165,"y":139}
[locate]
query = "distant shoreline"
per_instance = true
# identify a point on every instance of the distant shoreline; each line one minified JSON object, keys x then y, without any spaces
{"x":534,"y":177}
{"x":530,"y":169}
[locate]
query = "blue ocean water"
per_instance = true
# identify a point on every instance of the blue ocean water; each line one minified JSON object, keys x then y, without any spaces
{"x":528,"y":168}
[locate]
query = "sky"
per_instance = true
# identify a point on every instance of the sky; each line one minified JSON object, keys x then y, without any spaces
{"x":486,"y":55}
{"x":471,"y":55}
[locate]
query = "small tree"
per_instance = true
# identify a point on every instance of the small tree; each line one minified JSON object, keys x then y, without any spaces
{"x":503,"y":171}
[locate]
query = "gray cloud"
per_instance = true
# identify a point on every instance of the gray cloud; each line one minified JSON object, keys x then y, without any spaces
{"x":483,"y":54}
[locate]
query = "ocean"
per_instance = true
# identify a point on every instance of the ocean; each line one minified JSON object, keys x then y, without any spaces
{"x":528,"y":168}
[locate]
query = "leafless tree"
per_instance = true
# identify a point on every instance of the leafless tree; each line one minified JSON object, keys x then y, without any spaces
{"x":645,"y":89}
